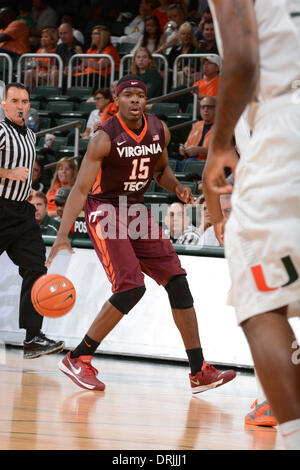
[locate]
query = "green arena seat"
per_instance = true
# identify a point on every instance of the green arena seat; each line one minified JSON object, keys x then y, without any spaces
{"x":164,"y":109}
{"x":45,"y":123}
{"x":60,"y":106}
{"x":196,"y":167}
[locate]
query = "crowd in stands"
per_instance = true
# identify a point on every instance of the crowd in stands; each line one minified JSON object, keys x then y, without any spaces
{"x":169,"y":28}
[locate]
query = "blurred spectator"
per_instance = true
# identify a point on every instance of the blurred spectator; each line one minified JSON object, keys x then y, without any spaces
{"x":67,"y":18}
{"x":64,"y":177}
{"x":40,"y":73}
{"x":103,"y":98}
{"x":197,"y":143}
{"x":206,"y":15}
{"x":161,"y":13}
{"x":48,"y":226}
{"x":44,"y":17}
{"x":187,"y":45}
{"x":205,"y":220}
{"x":208,"y":44}
{"x":112,"y":108}
{"x":136,"y":27}
{"x":37,"y":173}
{"x":151,"y":37}
{"x":209,"y":237}
{"x":68,"y":47}
{"x":60,"y":200}
{"x":25,"y":14}
{"x":197,"y":7}
{"x":101,"y":44}
{"x":92,"y":12}
{"x":14,"y":34}
{"x":178,"y":225}
{"x":209,"y":84}
{"x":144,"y":66}
{"x":170,"y":36}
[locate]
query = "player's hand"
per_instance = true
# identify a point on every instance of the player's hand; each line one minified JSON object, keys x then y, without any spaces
{"x":213,"y":175}
{"x":219,"y":229}
{"x":20,"y":173}
{"x":61,"y":243}
{"x":192,"y":151}
{"x":184,"y":193}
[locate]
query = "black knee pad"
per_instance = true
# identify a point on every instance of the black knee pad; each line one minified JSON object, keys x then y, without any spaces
{"x":125,"y":301}
{"x":179,"y":292}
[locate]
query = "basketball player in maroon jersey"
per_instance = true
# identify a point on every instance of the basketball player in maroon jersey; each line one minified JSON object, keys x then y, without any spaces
{"x":128,"y":150}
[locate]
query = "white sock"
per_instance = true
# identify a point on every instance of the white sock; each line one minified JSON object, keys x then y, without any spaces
{"x":261,"y":397}
{"x":290,"y":432}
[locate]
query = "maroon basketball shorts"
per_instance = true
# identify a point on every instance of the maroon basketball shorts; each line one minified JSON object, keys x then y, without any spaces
{"x":130,"y":243}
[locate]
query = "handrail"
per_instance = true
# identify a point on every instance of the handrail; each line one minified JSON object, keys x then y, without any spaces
{"x":40,"y":56}
{"x":155,"y":56}
{"x":188,"y":56}
{"x":53,"y":165}
{"x":10,"y":66}
{"x":91,"y":56}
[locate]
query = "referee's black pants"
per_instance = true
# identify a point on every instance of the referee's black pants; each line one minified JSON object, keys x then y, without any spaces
{"x":21,"y":238}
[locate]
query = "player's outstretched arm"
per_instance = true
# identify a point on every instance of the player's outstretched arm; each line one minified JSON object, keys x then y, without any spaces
{"x":238,"y":81}
{"x":98,"y":148}
{"x":164,"y":175}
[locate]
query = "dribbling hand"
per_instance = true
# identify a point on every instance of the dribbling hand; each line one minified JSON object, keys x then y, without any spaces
{"x":61,"y":243}
{"x":184,"y":193}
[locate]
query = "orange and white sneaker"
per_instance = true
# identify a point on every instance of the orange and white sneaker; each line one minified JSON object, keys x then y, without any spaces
{"x":81,"y":371}
{"x":262,"y":415}
{"x":209,"y":377}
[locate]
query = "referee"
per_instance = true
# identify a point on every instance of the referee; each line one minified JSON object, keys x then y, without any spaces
{"x":19,"y":233}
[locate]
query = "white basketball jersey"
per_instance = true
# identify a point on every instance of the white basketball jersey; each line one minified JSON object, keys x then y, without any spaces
{"x":279,"y":48}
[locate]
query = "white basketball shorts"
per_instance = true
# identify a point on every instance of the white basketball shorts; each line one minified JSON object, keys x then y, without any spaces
{"x":262,"y":236}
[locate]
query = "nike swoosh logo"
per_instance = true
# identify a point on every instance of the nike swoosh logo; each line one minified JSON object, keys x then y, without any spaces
{"x":133,"y":83}
{"x":76,"y":371}
{"x":196,"y":382}
{"x":121,"y":143}
{"x":290,"y":433}
{"x":70,"y":296}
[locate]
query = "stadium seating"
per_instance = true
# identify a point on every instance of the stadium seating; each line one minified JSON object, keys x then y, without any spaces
{"x":195,"y":167}
{"x":164,"y":109}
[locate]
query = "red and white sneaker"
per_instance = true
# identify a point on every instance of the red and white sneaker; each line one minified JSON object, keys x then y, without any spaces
{"x":210,"y":377}
{"x":81,"y":371}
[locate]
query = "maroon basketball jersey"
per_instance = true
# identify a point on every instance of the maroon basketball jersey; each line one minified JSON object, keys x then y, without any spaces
{"x":128,"y":170}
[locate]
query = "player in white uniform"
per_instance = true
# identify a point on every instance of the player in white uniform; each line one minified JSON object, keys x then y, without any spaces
{"x":261,"y":65}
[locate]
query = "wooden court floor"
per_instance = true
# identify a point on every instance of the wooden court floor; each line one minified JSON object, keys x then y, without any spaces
{"x":146,"y":406}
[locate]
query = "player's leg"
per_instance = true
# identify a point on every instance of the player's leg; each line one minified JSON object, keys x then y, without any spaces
{"x":272,"y":355}
{"x":165,"y":268}
{"x":123,"y":271}
{"x":77,"y":364}
{"x":203,"y":376}
{"x":111,"y":313}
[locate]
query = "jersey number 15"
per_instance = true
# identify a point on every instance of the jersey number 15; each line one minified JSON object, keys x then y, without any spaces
{"x":140,"y":170}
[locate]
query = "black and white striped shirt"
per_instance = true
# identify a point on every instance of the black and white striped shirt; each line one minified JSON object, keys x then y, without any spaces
{"x":17,"y":148}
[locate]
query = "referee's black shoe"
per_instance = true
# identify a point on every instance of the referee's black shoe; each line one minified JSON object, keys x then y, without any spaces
{"x":41,"y":345}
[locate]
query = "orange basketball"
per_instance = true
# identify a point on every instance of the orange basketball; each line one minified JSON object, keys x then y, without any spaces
{"x":53,"y":295}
